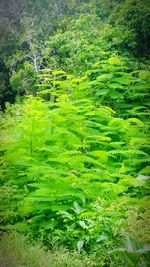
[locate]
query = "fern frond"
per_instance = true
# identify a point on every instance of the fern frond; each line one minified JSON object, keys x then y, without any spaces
{"x":136,"y":121}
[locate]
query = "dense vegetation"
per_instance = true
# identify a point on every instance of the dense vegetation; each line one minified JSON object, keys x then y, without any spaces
{"x":75,"y":141}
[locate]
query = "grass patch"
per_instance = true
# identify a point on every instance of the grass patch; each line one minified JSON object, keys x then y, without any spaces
{"x":17,"y":251}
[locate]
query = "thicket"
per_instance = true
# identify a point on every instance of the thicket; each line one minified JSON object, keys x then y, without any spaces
{"x":75,"y":161}
{"x":68,"y":35}
{"x":75,"y":145}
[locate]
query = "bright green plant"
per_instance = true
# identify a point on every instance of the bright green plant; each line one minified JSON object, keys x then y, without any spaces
{"x":111,"y":82}
{"x":82,"y":143}
{"x":67,"y":150}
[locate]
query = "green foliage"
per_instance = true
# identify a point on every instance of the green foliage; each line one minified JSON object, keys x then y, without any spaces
{"x":23,"y":81}
{"x":75,"y":151}
{"x":76,"y":48}
{"x":70,"y":151}
{"x":111,"y":81}
{"x":134,"y":16}
{"x":70,"y":35}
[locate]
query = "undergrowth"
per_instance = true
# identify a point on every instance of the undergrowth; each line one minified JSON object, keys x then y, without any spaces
{"x":17,"y":250}
{"x":75,"y":163}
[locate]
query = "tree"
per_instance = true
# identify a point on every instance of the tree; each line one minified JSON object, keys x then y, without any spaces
{"x":135,"y":16}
